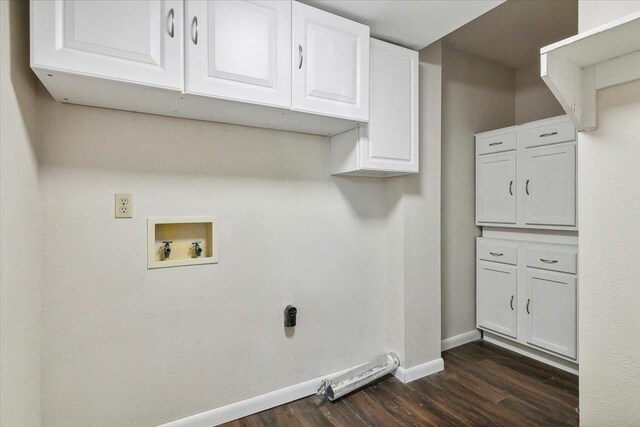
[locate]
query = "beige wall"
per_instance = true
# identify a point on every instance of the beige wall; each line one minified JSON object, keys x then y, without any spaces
{"x":609,"y":216}
{"x":20,"y":242}
{"x":534,"y":100}
{"x":421,"y":199}
{"x":478,"y":95}
{"x":124,"y":345}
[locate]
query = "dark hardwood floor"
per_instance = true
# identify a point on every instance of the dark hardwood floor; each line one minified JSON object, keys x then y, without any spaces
{"x":482,"y":385}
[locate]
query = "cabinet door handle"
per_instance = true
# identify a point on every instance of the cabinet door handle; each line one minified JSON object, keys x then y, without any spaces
{"x":301,"y":56}
{"x":528,"y":301}
{"x":549,"y":261}
{"x":511,"y":187}
{"x":526,"y":187}
{"x":194,"y":30}
{"x":171,"y":22}
{"x":495,"y":143}
{"x":511,"y":303}
{"x":544,"y":135}
{"x":496,"y":253}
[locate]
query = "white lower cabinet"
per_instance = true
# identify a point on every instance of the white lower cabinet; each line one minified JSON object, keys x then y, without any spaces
{"x":530,"y":296}
{"x":497,"y":292}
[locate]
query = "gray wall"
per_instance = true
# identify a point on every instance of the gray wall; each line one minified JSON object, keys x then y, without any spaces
{"x":478,"y":95}
{"x":19,"y":220}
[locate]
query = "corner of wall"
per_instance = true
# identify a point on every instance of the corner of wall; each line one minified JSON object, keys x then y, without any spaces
{"x":20,"y":276}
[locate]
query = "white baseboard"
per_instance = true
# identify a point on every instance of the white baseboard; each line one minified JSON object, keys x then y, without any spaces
{"x":458,"y":340}
{"x":406,"y":375}
{"x":253,"y":405}
{"x":540,"y":356}
{"x":288,"y":394}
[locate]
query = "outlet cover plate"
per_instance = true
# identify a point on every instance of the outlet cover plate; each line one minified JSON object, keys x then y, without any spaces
{"x":124,"y":205}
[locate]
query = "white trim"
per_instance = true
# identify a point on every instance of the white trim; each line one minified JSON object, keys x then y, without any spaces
{"x":406,"y":375}
{"x":252,"y":405}
{"x":540,"y":356}
{"x":458,"y":340}
{"x":575,"y":68}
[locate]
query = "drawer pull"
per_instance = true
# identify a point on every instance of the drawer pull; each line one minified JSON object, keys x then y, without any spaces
{"x":495,"y":143}
{"x":526,"y":187}
{"x":511,"y":187}
{"x":528,"y":301}
{"x":496,"y":253}
{"x":511,"y":303}
{"x":549,"y":261}
{"x":544,"y":135}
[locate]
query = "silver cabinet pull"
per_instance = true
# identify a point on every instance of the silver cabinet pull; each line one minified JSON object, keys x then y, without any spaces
{"x":544,"y":135}
{"x":549,"y":261}
{"x":496,"y":253}
{"x":528,"y":301}
{"x":526,"y":187}
{"x":511,"y":303}
{"x":194,"y":30}
{"x":300,"y":55}
{"x":171,"y":22}
{"x":495,"y":143}
{"x":511,"y":187}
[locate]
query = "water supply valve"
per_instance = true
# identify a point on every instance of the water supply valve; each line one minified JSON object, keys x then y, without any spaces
{"x":166,"y":248}
{"x":197,"y":249}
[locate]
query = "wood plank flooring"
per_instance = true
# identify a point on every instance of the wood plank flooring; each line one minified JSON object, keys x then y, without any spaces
{"x":482,"y":385}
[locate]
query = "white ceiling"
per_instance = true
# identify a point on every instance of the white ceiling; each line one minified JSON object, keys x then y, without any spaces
{"x":513,"y":33}
{"x":411,"y":23}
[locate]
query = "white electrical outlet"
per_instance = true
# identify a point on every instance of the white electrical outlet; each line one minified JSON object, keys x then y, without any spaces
{"x":124,"y":205}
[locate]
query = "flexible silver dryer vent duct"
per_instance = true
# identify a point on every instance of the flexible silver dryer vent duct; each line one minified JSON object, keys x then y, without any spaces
{"x":358,"y":377}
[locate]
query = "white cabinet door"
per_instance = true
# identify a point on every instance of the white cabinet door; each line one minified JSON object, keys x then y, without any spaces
{"x":496,"y":188}
{"x":549,"y":184}
{"x":240,"y":50}
{"x":551,"y":311}
{"x":497,"y":298}
{"x":330,"y":64}
{"x":390,"y":140}
{"x":138,"y":41}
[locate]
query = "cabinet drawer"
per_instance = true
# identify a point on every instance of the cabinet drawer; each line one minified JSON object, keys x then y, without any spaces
{"x":497,"y":251}
{"x":565,"y":261}
{"x":496,"y":143}
{"x":553,"y":133}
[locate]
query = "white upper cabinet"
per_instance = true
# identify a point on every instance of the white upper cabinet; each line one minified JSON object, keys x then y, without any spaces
{"x":226,"y":61}
{"x":137,"y":41}
{"x":240,"y":50}
{"x":550,"y":185}
{"x":495,"y":190}
{"x":330,"y":64}
{"x":526,"y":176}
{"x":388,"y":144}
